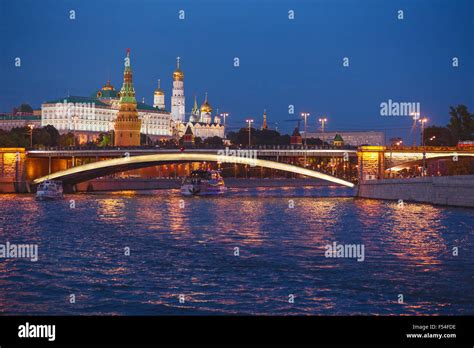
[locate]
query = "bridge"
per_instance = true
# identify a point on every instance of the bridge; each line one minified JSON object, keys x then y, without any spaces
{"x":92,"y":170}
{"x":377,"y":162}
{"x":20,"y":167}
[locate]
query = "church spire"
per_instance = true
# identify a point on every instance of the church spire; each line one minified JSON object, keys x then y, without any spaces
{"x":264,"y":125}
{"x":195,"y":110}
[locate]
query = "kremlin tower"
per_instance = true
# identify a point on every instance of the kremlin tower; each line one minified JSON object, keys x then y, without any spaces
{"x":264,"y":125}
{"x":127,"y":123}
{"x":177,"y":99}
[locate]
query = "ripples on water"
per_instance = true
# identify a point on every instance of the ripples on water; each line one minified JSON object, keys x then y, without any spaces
{"x":190,"y":251}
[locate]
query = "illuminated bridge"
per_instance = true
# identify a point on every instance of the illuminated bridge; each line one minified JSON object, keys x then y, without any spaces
{"x":101,"y":168}
{"x":378,"y":162}
{"x":19,"y":167}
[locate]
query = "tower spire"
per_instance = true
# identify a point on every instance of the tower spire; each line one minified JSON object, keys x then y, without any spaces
{"x":127,"y":124}
{"x":264,"y":125}
{"x":177,"y":62}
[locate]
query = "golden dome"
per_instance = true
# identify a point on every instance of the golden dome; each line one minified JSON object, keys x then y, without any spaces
{"x":206,"y":107}
{"x":108,"y":87}
{"x":159,"y":91}
{"x":178,"y":75}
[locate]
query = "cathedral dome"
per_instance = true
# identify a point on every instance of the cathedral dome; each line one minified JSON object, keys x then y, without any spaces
{"x":206,"y":107}
{"x":106,"y":92}
{"x":178,"y":75}
{"x":108,"y":87}
{"x":158,"y":90}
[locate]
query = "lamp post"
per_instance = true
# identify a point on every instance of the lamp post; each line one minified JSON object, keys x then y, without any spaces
{"x":249,"y":121}
{"x":416,"y":116}
{"x":31,"y":126}
{"x":323,"y":123}
{"x":74,"y":120}
{"x":423,"y":121}
{"x":224,"y":115}
{"x":305,"y":115}
{"x":146,"y":118}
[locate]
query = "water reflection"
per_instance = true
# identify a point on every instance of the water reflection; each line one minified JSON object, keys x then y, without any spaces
{"x":176,"y":249}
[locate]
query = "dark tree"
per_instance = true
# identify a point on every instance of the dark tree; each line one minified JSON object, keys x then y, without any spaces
{"x":438,"y":136}
{"x":461,"y":124}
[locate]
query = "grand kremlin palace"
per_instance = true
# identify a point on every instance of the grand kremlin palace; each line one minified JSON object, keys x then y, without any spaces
{"x":90,"y":116}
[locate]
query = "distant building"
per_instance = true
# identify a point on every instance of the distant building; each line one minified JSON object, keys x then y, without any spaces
{"x":202,"y":123}
{"x":354,"y":138}
{"x":296,"y":137}
{"x":338,"y":141}
{"x":90,"y":116}
{"x":8,"y":122}
{"x":22,"y":116}
{"x":188,"y":137}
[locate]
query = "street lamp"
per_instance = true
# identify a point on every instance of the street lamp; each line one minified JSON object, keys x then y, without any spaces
{"x":323,"y":123}
{"x":423,"y":121}
{"x":224,"y":115}
{"x":305,"y":115}
{"x":249,"y":121}
{"x":416,"y":116}
{"x":146,"y":118}
{"x":31,"y":126}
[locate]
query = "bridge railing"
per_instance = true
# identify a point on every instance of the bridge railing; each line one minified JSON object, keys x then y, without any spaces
{"x":254,"y":147}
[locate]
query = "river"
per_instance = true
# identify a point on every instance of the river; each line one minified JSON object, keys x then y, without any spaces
{"x":253,"y":251}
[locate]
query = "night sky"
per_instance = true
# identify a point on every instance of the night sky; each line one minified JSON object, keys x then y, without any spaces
{"x":282,"y":61}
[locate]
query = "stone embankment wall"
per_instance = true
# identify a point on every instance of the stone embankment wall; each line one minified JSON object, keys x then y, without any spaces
{"x":447,"y":190}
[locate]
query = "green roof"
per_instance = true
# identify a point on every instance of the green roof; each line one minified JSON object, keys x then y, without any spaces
{"x":75,"y":99}
{"x":20,"y":118}
{"x":106,"y":94}
{"x":338,"y":138}
{"x":143,"y":106}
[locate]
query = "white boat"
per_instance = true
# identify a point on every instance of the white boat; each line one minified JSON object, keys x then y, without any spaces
{"x":49,"y":190}
{"x":203,"y":183}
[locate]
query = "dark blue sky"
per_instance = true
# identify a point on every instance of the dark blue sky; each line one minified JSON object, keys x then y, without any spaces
{"x":282,"y":61}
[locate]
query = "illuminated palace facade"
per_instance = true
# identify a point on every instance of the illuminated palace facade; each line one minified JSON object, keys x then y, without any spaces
{"x":90,"y":116}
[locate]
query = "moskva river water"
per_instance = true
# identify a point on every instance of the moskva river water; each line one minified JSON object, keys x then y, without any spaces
{"x":279,"y":251}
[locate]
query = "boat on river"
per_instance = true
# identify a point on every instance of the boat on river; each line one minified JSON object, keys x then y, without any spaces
{"x":49,"y":190}
{"x":203,"y":183}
